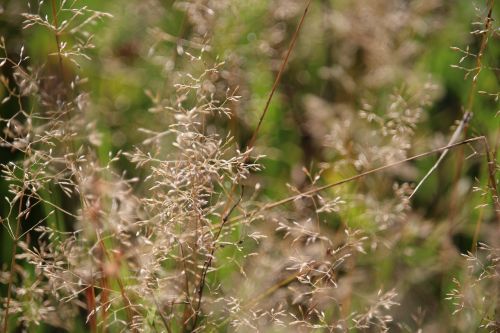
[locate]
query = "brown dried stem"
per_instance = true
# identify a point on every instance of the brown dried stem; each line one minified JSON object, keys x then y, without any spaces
{"x":470,"y":101}
{"x":228,"y":207}
{"x":13,"y":263}
{"x":58,"y":40}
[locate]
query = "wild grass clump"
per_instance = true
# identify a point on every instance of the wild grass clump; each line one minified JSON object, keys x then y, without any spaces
{"x":202,"y":166}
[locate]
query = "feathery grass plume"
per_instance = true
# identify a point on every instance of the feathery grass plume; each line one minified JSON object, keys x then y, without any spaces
{"x":223,"y":166}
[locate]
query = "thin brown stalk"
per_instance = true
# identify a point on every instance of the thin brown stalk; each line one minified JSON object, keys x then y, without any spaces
{"x":490,"y":156}
{"x":128,"y":304}
{"x":484,"y":42}
{"x":12,"y":264}
{"x":162,"y":316}
{"x":295,"y":36}
{"x":91,"y":305}
{"x":208,"y":262}
{"x":104,"y":300}
{"x":129,"y":308}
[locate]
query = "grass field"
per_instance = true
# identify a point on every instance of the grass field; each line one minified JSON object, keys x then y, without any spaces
{"x":249,"y":166}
